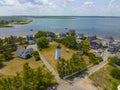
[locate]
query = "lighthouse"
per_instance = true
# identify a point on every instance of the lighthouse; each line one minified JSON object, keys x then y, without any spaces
{"x":58,"y":52}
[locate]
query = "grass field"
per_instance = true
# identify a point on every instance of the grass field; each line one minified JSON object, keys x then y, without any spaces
{"x":103,"y":79}
{"x":16,"y":65}
{"x":49,"y":53}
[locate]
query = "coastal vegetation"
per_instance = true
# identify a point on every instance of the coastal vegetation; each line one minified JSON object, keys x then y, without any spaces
{"x":94,"y":59}
{"x":108,"y":78}
{"x":41,"y":33}
{"x":70,"y":42}
{"x":115,"y":73}
{"x":5,"y":23}
{"x":49,"y":53}
{"x":36,"y":55}
{"x":29,"y":79}
{"x":8,"y":46}
{"x":22,"y":22}
{"x":76,"y":63}
{"x":114,"y":60}
{"x":42,"y":43}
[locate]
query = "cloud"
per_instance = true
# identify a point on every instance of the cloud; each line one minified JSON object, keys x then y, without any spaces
{"x":114,"y":5}
{"x":89,"y":4}
{"x":111,"y":4}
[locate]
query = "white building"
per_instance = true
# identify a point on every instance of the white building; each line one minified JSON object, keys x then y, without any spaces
{"x":58,"y":52}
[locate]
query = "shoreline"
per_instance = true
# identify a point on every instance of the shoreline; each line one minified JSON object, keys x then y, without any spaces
{"x":24,"y":36}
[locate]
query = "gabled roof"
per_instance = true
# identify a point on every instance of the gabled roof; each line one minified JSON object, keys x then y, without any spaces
{"x":20,"y":51}
{"x":96,"y":41}
{"x":92,"y":37}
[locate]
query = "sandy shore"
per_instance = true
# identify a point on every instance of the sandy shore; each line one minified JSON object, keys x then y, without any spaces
{"x":24,"y":36}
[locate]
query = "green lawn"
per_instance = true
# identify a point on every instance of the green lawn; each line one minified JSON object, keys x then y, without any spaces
{"x":103,"y":79}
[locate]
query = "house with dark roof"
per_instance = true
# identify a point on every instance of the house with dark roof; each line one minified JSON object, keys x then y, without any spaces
{"x":91,"y":38}
{"x":24,"y":53}
{"x":95,"y":44}
{"x":114,"y":48}
{"x":107,"y":40}
{"x":61,"y":35}
{"x":79,"y":36}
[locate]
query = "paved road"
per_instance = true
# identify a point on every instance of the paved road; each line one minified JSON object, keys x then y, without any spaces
{"x":50,"y":68}
{"x":106,"y":54}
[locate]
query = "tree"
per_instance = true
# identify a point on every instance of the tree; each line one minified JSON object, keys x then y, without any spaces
{"x":40,"y":34}
{"x":85,"y":46}
{"x":94,"y":59}
{"x":42,"y":43}
{"x":76,"y":63}
{"x":36,"y":55}
{"x":30,"y":79}
{"x":114,"y":60}
{"x":70,"y":42}
{"x":115,"y":73}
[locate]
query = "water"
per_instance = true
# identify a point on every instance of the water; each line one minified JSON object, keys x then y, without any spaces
{"x":100,"y":26}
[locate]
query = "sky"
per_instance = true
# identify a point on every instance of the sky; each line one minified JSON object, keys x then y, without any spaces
{"x":60,"y":7}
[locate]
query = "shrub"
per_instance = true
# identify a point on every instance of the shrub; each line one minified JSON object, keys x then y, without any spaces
{"x":94,"y":59}
{"x":115,"y":73}
{"x":36,"y":55}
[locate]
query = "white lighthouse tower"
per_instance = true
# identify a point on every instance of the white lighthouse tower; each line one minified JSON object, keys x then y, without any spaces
{"x":58,"y":52}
